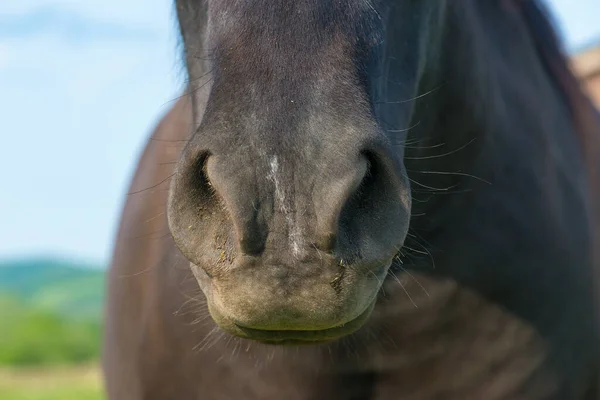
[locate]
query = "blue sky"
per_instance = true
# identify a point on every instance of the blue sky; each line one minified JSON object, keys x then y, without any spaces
{"x":82,"y":82}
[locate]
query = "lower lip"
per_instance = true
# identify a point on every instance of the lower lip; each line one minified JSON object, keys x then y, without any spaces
{"x":292,"y":342}
{"x":306,"y":337}
{"x":290,"y":337}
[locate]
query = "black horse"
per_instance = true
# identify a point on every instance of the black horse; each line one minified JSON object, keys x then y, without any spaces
{"x":378,"y":199}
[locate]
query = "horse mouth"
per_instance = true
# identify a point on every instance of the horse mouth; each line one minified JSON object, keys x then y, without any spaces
{"x":317,"y":334}
{"x":302,"y":337}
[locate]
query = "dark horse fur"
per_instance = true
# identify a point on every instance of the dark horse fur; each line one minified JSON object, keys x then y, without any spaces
{"x":362,"y":199}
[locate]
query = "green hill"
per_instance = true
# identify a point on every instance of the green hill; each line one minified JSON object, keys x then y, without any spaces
{"x":51,"y":312}
{"x":69,"y":289}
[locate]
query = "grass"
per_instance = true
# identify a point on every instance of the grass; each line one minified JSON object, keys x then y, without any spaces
{"x":56,"y":383}
{"x":32,"y":336}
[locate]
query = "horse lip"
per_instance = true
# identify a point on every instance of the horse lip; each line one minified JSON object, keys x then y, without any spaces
{"x":307,"y":336}
{"x":292,"y":337}
{"x":286,"y":337}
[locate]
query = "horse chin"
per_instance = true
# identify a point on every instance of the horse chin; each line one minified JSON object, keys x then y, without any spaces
{"x":291,"y":337}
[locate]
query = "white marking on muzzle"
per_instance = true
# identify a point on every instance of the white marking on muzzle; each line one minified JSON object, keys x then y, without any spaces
{"x":295,"y":234}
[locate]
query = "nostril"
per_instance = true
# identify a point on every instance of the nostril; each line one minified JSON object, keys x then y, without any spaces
{"x":252,"y":245}
{"x":334,"y":193}
{"x":374,"y":218}
{"x":193,"y":185}
{"x":199,"y":183}
{"x":236,"y":190}
{"x":326,"y":242}
{"x":361,"y":191}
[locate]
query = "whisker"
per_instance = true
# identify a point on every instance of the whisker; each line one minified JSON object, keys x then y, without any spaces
{"x":424,"y":252}
{"x":153,"y":218}
{"x":145,"y":270}
{"x":438,"y":193}
{"x":441,"y":155}
{"x":189,"y":92}
{"x":415,"y":250}
{"x":424,"y":147}
{"x":376,"y":277}
{"x":405,"y":129}
{"x":416,"y":280}
{"x":153,"y":186}
{"x":412,"y":99}
{"x":431,"y":187}
{"x":206,"y":342}
{"x":404,"y":288}
{"x":451,"y":173}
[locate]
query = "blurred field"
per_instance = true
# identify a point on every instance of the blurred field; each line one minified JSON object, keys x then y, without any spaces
{"x":50,"y":330}
{"x":52,"y":383}
{"x":68,"y":289}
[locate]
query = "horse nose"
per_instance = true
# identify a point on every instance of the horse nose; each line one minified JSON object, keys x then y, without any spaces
{"x":353,"y":207}
{"x":255,"y":203}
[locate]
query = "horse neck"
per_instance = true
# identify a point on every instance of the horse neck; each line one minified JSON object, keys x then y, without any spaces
{"x":499,"y":189}
{"x":492,"y":104}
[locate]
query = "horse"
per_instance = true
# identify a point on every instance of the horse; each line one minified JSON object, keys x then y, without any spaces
{"x":362,"y":199}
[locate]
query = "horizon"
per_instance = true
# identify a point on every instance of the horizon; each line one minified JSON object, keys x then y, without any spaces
{"x":77,"y":66}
